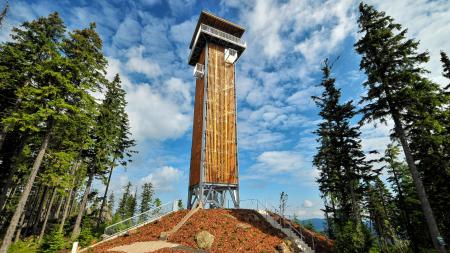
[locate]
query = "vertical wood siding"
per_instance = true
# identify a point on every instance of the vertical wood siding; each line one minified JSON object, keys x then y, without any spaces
{"x":221,"y":151}
{"x":196,"y":149}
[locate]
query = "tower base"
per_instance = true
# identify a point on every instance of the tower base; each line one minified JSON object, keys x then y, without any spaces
{"x":213,"y":195}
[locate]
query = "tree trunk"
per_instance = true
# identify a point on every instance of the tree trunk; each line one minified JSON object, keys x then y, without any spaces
{"x":100,"y":216}
{"x":76,"y":228}
{"x":72,"y":191}
{"x":38,"y":213}
{"x":405,"y":214}
{"x":19,"y":229}
{"x":426,"y":208}
{"x":47,"y":214}
{"x":3,"y":135}
{"x":66,"y":211}
{"x":58,"y":209}
{"x":26,"y":192}
{"x":73,"y":203}
{"x":30,"y":207}
{"x":9,"y":181}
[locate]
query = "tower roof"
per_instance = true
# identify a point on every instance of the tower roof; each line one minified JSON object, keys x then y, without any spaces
{"x":211,"y":28}
{"x":219,"y":23}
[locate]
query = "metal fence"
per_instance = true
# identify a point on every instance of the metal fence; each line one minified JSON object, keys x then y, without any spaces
{"x":140,"y":219}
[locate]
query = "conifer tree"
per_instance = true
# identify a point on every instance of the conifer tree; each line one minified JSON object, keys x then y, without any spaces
{"x":117,"y":129}
{"x":393,"y":67}
{"x":131,"y":204}
{"x":446,"y":66}
{"x":180,"y":204}
{"x":381,"y":210}
{"x":123,"y":203}
{"x":146,"y":197}
{"x":340,"y":160}
{"x":43,"y":104}
{"x":111,"y":202}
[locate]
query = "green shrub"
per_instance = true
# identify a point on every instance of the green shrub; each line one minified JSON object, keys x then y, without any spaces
{"x":52,"y":242}
{"x":28,"y":245}
{"x":86,"y":237}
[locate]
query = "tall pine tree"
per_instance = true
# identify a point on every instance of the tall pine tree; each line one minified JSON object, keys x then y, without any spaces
{"x":393,"y":67}
{"x":342,"y":165}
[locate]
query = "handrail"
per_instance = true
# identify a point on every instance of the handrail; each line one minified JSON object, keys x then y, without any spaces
{"x":139,"y":219}
{"x":301,"y":233}
{"x":271,"y":209}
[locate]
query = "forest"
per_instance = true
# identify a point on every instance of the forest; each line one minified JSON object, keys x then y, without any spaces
{"x":64,"y":126}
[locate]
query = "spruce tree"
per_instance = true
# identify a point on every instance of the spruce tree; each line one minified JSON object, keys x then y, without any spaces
{"x":111,"y":202}
{"x":381,"y":211}
{"x":393,"y":67}
{"x":115,"y":119}
{"x":44,"y":103}
{"x":446,"y":66}
{"x":146,"y":197}
{"x":123,"y":203}
{"x":341,"y":162}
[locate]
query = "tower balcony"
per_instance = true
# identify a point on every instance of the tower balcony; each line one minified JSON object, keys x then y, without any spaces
{"x":207,"y":33}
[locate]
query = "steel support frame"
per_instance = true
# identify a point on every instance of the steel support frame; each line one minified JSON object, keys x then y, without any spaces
{"x":213,"y":195}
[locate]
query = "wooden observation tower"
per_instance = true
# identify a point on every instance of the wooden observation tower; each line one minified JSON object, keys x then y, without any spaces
{"x":215,"y":47}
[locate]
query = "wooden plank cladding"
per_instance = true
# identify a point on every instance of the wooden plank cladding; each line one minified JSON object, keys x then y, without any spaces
{"x":220,"y":158}
{"x":196,"y":149}
{"x":221,"y":153}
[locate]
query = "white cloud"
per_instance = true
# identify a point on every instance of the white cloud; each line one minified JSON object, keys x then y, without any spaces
{"x":163,"y":179}
{"x":302,"y":98}
{"x":182,"y":32}
{"x":307,"y":203}
{"x":155,"y":112}
{"x":278,"y":162}
{"x":153,"y":116}
{"x":308,"y":213}
{"x":128,"y":32}
{"x":138,"y":64}
{"x":376,"y":136}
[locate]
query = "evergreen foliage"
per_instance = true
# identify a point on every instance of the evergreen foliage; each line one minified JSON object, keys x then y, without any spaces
{"x":397,"y":90}
{"x":146,"y":197}
{"x":53,"y":242}
{"x":55,"y":137}
{"x":340,"y":161}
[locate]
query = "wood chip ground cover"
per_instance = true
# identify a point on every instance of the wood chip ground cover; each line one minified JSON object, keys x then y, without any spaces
{"x":226,"y":226}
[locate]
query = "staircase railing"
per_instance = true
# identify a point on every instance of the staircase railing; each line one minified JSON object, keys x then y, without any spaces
{"x":140,"y":219}
{"x":252,"y":203}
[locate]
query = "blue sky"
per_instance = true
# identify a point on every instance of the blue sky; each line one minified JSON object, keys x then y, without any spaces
{"x":146,"y":41}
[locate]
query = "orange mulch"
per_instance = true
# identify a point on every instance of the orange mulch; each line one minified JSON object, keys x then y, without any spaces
{"x":227,"y":225}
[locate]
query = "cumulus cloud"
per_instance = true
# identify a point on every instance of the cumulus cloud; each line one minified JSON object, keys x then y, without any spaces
{"x":153,"y":116}
{"x":163,"y":179}
{"x":128,"y":32}
{"x":277,"y":162}
{"x":138,"y":64}
{"x":307,"y":203}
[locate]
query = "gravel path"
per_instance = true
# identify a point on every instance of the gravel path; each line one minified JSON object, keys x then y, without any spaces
{"x":143,"y":247}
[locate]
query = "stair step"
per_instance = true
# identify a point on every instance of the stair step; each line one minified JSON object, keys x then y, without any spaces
{"x":300,"y":243}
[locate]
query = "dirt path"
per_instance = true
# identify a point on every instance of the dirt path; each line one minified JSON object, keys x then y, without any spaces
{"x":143,"y":247}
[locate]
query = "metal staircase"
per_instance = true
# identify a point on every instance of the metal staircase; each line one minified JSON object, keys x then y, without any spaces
{"x":290,"y":231}
{"x":287,"y":229}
